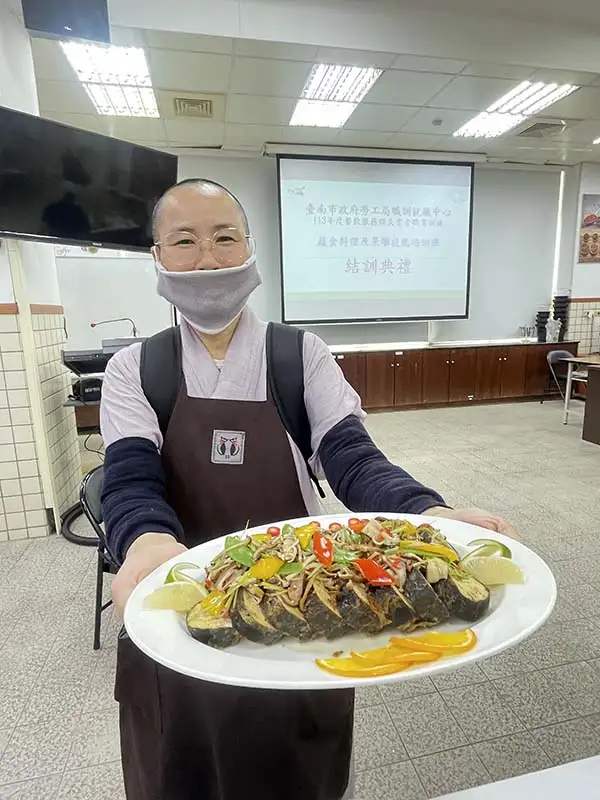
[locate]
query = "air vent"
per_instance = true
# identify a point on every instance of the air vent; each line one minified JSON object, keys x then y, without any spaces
{"x":194,"y":107}
{"x":543,"y":130}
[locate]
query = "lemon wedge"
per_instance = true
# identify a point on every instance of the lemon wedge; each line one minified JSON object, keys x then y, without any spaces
{"x":178,"y":596}
{"x":494,"y":570}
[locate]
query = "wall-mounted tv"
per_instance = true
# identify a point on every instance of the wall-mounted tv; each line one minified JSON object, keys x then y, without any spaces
{"x":63,"y":184}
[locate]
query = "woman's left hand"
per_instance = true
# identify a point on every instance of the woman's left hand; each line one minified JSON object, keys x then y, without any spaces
{"x":475,"y":516}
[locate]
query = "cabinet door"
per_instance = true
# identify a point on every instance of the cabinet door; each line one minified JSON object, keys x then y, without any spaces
{"x":436,"y":372}
{"x":514,"y":371}
{"x":463,"y":373}
{"x":489,"y":372}
{"x":408,"y":379}
{"x":380,"y":380}
{"x":354,"y":367}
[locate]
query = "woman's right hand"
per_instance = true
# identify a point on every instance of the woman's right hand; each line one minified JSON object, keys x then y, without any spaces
{"x":147,"y":552}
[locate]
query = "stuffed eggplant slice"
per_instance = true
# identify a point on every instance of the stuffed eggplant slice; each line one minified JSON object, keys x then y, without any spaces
{"x":315,"y":583}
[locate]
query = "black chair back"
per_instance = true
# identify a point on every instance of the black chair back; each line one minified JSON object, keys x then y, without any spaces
{"x":90,"y":496}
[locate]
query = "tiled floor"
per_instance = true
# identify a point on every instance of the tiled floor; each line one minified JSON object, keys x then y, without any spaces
{"x":527,"y":709}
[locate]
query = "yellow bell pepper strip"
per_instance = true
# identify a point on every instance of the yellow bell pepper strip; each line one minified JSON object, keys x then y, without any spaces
{"x":433,"y":642}
{"x":266,"y":567}
{"x":424,"y":549}
{"x":260,"y":538}
{"x":214,"y":603}
{"x":304,"y":535}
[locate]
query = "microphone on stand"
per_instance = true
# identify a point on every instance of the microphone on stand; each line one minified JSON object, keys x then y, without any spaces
{"x":134,"y":330}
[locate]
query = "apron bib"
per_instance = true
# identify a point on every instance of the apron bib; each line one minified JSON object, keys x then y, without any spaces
{"x":228,"y":463}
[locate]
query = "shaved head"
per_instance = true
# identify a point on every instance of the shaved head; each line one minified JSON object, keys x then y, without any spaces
{"x":203,"y":186}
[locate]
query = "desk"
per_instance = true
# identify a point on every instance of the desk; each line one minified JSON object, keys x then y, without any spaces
{"x":591,"y":420}
{"x":87,"y":415}
{"x":582,"y":361}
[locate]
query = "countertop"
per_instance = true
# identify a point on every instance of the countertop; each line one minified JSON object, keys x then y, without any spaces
{"x":379,"y":347}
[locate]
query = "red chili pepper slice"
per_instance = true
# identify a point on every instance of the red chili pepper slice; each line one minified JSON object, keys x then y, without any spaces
{"x":373,"y":573}
{"x":357,"y":525}
{"x":323,"y":548}
{"x":273,"y":530}
{"x":335,"y":527}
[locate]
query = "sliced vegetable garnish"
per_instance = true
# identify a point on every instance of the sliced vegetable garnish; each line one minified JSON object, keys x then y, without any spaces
{"x":425,"y":549}
{"x":357,"y":525}
{"x":266,"y":567}
{"x":488,"y":547}
{"x":291,"y":568}
{"x":446,"y":643}
{"x":343,"y":556}
{"x":215,"y":603}
{"x":323,"y":548}
{"x":238,"y":551}
{"x":373,"y":573}
{"x":304,"y":534}
{"x":273,"y":530}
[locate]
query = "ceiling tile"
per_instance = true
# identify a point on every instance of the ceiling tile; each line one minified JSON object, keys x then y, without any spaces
{"x":88,"y":122}
{"x":136,"y":129}
{"x":166,"y":40}
{"x":195,"y":72}
{"x":269,"y":77}
{"x":127,"y":37}
{"x":510,"y":71}
{"x":349,"y":138}
{"x":582,"y":104}
{"x":585,"y":132}
{"x":287,"y":51}
{"x":457,"y":144}
{"x":422,"y":121}
{"x":474,"y":94}
{"x":238,"y":135}
{"x":355,"y":58}
{"x":397,"y":87}
{"x":305,"y":135}
{"x":426,"y":64}
{"x":49,"y":61}
{"x":195,"y":132}
{"x":412,"y":141}
{"x":259,"y":110}
{"x":376,"y":117}
{"x":564,"y":76}
{"x":66,"y":96}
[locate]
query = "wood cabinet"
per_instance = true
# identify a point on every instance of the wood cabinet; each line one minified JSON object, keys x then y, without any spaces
{"x":436,"y":375}
{"x":488,"y":378}
{"x":514,"y":370}
{"x":463,"y":374}
{"x":408,"y":377}
{"x":354,"y":367}
{"x":380,"y":380}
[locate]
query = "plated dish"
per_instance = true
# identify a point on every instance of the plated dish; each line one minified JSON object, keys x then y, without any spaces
{"x":275,"y":607}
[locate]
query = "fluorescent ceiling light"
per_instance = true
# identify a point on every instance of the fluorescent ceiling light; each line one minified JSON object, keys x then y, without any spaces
{"x":596,"y":141}
{"x":331,"y":93}
{"x":525,"y":100}
{"x":116,"y":79}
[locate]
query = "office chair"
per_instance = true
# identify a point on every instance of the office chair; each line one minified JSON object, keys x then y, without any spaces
{"x":90,"y":497}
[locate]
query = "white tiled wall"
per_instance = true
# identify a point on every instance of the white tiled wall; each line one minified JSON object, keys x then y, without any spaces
{"x":22,"y":507}
{"x":61,"y":431}
{"x":582,"y":328}
{"x":22,"y":503}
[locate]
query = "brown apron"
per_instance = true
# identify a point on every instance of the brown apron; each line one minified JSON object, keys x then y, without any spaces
{"x":228,"y":463}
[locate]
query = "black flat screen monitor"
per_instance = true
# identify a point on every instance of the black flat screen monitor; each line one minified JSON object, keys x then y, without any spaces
{"x":68,"y":19}
{"x":63,"y":184}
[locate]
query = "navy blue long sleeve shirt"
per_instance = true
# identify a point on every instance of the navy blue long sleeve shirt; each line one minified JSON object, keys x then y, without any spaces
{"x":134,"y":493}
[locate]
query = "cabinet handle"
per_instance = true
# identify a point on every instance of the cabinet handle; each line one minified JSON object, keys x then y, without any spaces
{"x":505,"y":358}
{"x":340,"y":358}
{"x":392,"y":365}
{"x":447,"y":362}
{"x":499,"y":359}
{"x":452,"y":362}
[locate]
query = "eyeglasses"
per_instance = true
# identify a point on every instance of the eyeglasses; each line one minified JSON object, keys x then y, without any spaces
{"x":228,"y":247}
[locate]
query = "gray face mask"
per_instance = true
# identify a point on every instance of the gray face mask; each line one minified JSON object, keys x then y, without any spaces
{"x":210,"y":299}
